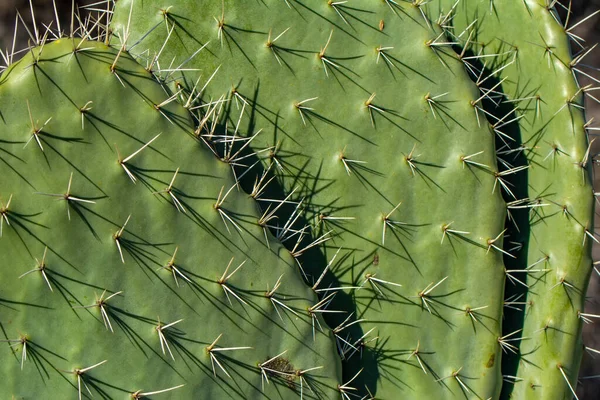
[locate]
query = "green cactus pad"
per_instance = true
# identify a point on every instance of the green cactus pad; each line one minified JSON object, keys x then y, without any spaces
{"x":367,"y":119}
{"x":553,"y":212}
{"x":127,"y":249}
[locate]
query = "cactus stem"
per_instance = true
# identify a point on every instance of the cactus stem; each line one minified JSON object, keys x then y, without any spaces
{"x":117,"y":238}
{"x":140,"y":395}
{"x":555,"y":150}
{"x":164,"y":343}
{"x":41,"y":266}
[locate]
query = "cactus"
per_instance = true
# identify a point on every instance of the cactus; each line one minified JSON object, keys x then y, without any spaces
{"x":547,"y":136}
{"x":402,"y":172}
{"x":379,"y":146}
{"x":130,"y":262}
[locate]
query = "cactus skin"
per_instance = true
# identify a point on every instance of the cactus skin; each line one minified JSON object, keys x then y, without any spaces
{"x":555,"y":237}
{"x":83,"y":263}
{"x":277,"y":78}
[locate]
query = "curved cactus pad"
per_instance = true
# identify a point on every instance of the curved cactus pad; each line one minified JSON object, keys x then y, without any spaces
{"x":368,"y":121}
{"x":131,"y":264}
{"x":538,"y":106}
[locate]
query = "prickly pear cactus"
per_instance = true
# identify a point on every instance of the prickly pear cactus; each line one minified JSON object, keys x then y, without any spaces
{"x":368,"y":122}
{"x":538,"y":113}
{"x":423,"y":170}
{"x":132,"y":266}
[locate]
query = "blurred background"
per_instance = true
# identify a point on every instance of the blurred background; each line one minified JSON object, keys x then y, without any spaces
{"x":589,"y":385}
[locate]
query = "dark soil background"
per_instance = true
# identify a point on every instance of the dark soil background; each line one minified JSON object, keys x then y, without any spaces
{"x":589,"y":386}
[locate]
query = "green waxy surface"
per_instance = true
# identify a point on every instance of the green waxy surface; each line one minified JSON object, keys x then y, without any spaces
{"x":552,"y":241}
{"x":302,"y":73}
{"x":100,"y":115}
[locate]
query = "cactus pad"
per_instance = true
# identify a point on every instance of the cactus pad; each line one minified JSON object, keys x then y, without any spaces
{"x":131,"y":264}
